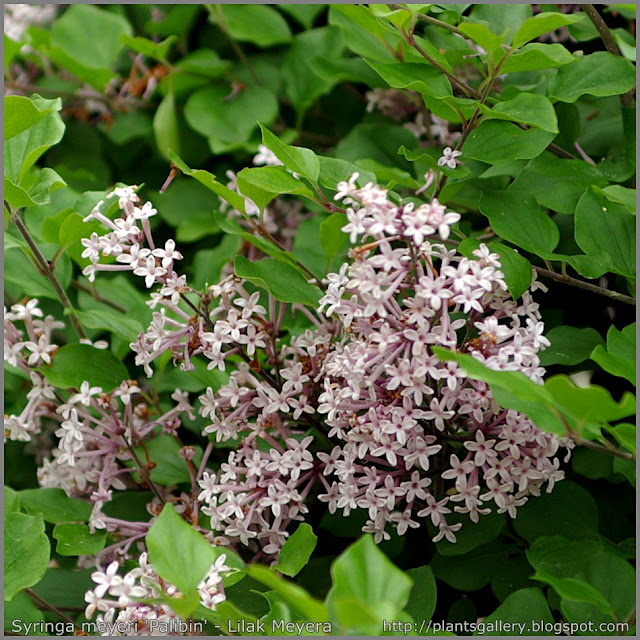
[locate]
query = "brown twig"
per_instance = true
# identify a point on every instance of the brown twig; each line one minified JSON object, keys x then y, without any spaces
{"x":97,"y":296}
{"x":47,"y":271}
{"x":626,"y":99}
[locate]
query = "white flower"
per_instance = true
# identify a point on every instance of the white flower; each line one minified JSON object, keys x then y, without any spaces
{"x":449,"y":157}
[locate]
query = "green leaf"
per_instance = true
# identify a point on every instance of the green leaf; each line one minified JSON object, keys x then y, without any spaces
{"x":335,"y":170}
{"x":569,"y":345}
{"x":561,"y":556}
{"x":603,"y":227}
{"x":537,"y":56}
{"x":36,"y":188}
{"x":263,"y":184}
{"x":501,"y":143}
{"x":619,"y":358}
{"x":378,"y":142}
{"x":165,"y":125}
{"x":558,"y":183}
{"x":297,"y":550}
{"x":472,"y":534}
{"x":542,"y":23}
{"x":515,"y":216}
{"x":20,"y":270}
{"x":77,"y":539}
{"x":512,"y":390}
{"x":364,"y":574}
{"x":11,"y":501}
{"x":486,"y":38}
{"x":75,"y":363}
{"x":588,"y":404}
{"x":209,"y":181}
{"x":422,"y":78}
{"x":258,"y":24}
{"x":423,"y":594}
{"x":157,"y":50}
{"x":547,"y":514}
{"x":472,"y":570}
{"x":20,"y":113}
{"x":21,"y":609}
{"x":575,"y":590}
{"x":612,"y":579}
{"x":527,"y":108}
{"x":118,"y":323}
{"x":524,"y":604}
{"x":298,"y":159}
{"x":26,"y":552}
{"x":332,"y":237}
{"x":622,"y":195}
{"x":312,"y":609}
{"x":598,"y":74}
{"x":429,"y":160}
{"x":22,"y":150}
{"x":305,"y":14}
{"x":229,"y":123}
{"x":516,"y":268}
{"x":203,"y":62}
{"x":54,"y":505}
{"x":501,"y":18}
{"x":302,"y":81}
{"x":232,"y":227}
{"x":283,"y":281}
{"x":86,"y":28}
{"x":625,"y":434}
{"x":362,"y":32}
{"x":179,"y":554}
{"x":170,"y":468}
{"x":11,"y":50}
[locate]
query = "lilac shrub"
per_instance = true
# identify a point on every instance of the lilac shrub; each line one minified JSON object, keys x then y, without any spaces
{"x":356,"y":411}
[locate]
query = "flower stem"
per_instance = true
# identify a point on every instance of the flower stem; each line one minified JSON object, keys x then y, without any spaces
{"x":47,"y":271}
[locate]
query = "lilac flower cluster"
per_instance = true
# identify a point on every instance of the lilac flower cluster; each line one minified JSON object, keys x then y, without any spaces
{"x":355,"y":410}
{"x":124,"y":611}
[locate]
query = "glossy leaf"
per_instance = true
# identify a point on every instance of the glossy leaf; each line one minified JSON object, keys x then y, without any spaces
{"x":292,"y":594}
{"x":604,"y":227}
{"x":619,"y":357}
{"x":536,"y":56}
{"x":501,"y":143}
{"x":26,"y":552}
{"x":332,"y":237}
{"x":542,"y":23}
{"x":54,"y":505}
{"x":547,"y":515}
{"x":557,"y":183}
{"x":259,"y":24}
{"x":228,"y":124}
{"x":281,"y":279}
{"x":165,"y":126}
{"x":364,"y":574}
{"x":75,"y":363}
{"x":170,"y":467}
{"x":297,"y":159}
{"x":84,"y":28}
{"x":178,"y":553}
{"x":263,"y":184}
{"x":77,"y":539}
{"x":598,"y":74}
{"x":516,"y":217}
{"x":423,"y":594}
{"x":527,"y":108}
{"x":20,"y":113}
{"x":569,"y":345}
{"x":524,"y":604}
{"x":22,"y":150}
{"x":297,"y":550}
{"x":422,"y":78}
